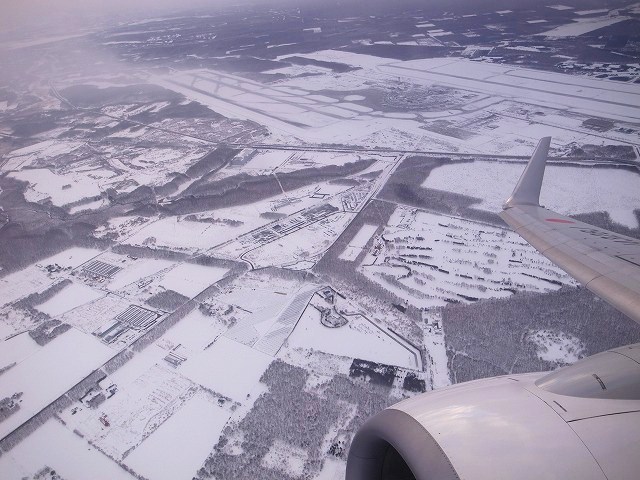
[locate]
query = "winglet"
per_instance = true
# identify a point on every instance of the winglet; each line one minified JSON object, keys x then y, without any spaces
{"x":527,"y":191}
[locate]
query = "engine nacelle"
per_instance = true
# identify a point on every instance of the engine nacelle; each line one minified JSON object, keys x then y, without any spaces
{"x":582,"y":421}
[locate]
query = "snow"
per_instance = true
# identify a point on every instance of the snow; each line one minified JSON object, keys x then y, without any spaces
{"x":194,"y":332}
{"x":268,"y":160}
{"x":68,"y":298}
{"x":545,"y":88}
{"x":305,"y":244}
{"x":428,"y":259}
{"x":555,"y":346}
{"x":360,"y":338}
{"x":355,"y":60}
{"x":285,"y":458}
{"x":227,"y":367}
{"x":90,"y":316}
{"x":332,"y":469}
{"x":69,"y":455}
{"x":60,"y":189}
{"x":189,"y":279}
{"x":358,"y":242}
{"x":591,"y":12}
{"x":71,"y":258}
{"x":136,"y":412}
{"x":50,"y":372}
{"x":141,"y":268}
{"x":613,"y":190}
{"x":180,"y":445}
{"x":435,"y":345}
{"x":582,"y":26}
{"x":142,"y":362}
{"x":22,"y":283}
{"x":45,"y":149}
{"x":95,"y":205}
{"x":439,"y":33}
{"x":176,"y":233}
{"x":16,"y":349}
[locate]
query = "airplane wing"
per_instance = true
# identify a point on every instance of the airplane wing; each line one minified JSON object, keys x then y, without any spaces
{"x":579,"y":421}
{"x":606,"y":263}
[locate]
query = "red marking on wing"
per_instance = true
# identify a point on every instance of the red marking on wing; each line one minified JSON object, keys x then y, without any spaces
{"x":558,"y":220}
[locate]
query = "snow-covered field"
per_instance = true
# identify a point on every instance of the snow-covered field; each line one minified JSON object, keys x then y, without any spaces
{"x":136,"y":412}
{"x":22,"y":283}
{"x":180,"y":234}
{"x":360,"y":338}
{"x":23,"y":157}
{"x":189,"y":279}
{"x":285,"y":458}
{"x":50,"y":372}
{"x":71,"y":258}
{"x":62,"y":189}
{"x":557,"y":347}
{"x":327,"y":120}
{"x":56,"y":447}
{"x":358,"y":242}
{"x":176,"y":449}
{"x":90,"y":316}
{"x":194,"y":332}
{"x":227,"y":367}
{"x":136,"y":270}
{"x":68,"y":298}
{"x":306,"y":244}
{"x":581,"y":26}
{"x":430,"y":260}
{"x":566,"y":189}
{"x":16,"y":348}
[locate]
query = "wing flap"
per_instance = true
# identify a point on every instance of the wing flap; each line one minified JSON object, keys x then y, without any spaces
{"x":627,"y":300}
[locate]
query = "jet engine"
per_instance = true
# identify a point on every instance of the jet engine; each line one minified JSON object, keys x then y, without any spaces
{"x":581,"y":421}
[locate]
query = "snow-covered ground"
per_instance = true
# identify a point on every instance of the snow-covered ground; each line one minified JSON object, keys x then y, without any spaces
{"x":68,"y":298}
{"x":22,"y":283}
{"x":581,"y":26}
{"x":556,"y":346}
{"x":194,"y":332}
{"x":50,"y":372}
{"x":294,"y":111}
{"x":135,"y":413}
{"x":16,"y":348}
{"x":429,"y":260}
{"x":358,"y":242}
{"x":435,"y":346}
{"x":71,"y":258}
{"x":285,"y":458}
{"x":227,"y":367}
{"x":135,"y":271}
{"x":56,"y":447}
{"x":567,"y":190}
{"x":61,"y":189}
{"x":176,"y":449}
{"x":359,"y":338}
{"x":90,"y":316}
{"x":23,"y":157}
{"x":189,"y":279}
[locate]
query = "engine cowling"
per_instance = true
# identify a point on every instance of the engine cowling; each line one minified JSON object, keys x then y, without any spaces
{"x":566,"y":424}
